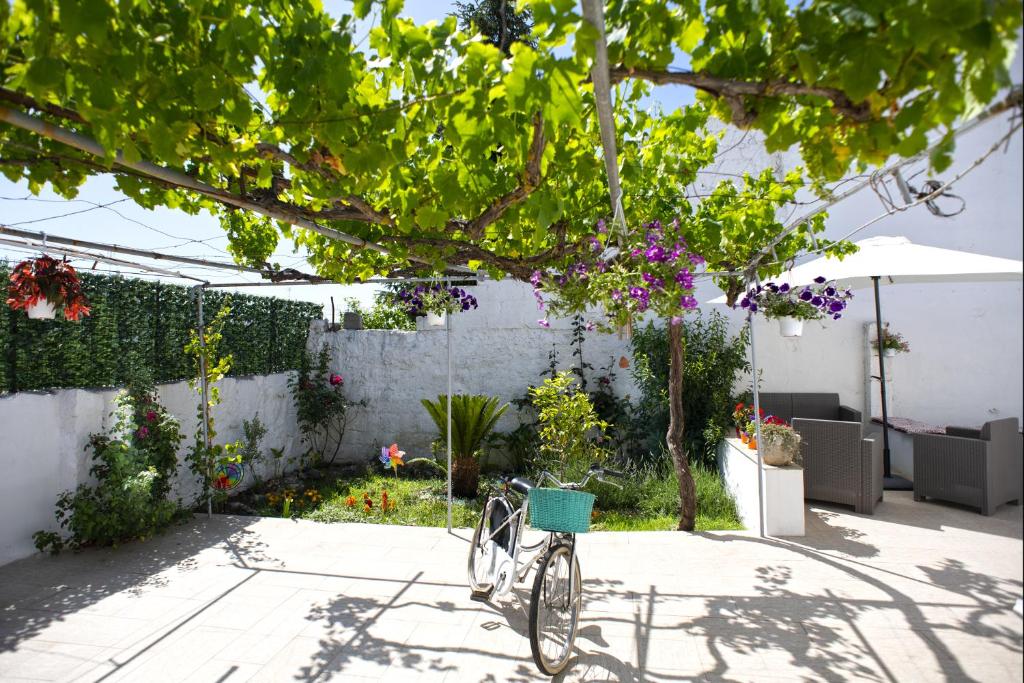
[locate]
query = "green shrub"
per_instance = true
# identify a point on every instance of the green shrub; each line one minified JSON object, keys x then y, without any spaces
{"x":383,"y":315}
{"x":251,"y":450}
{"x":713,"y":360}
{"x":321,"y":407}
{"x":133,"y":466}
{"x":571,"y":433}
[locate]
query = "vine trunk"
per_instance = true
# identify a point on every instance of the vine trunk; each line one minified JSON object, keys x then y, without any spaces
{"x":676,"y":422}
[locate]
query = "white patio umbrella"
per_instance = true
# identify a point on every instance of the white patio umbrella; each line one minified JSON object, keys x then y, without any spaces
{"x":894,"y":261}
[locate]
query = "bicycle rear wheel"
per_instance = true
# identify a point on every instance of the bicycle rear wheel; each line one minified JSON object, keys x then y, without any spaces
{"x":555,"y":609}
{"x":489,"y":555}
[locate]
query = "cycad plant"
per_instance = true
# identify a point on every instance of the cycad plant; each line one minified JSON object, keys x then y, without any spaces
{"x":473,"y":418}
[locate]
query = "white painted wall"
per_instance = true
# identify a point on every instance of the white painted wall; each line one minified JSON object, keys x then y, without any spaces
{"x":498,"y":350}
{"x":43,"y":437}
{"x":966,"y":363}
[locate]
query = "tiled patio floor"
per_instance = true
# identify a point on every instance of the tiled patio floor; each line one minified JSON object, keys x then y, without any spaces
{"x":920,"y":591}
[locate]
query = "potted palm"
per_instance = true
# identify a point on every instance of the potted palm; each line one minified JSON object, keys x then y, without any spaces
{"x":791,"y":306}
{"x":473,"y":418}
{"x":43,"y":285}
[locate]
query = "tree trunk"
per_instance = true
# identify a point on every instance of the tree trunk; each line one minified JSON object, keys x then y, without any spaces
{"x":687,"y":490}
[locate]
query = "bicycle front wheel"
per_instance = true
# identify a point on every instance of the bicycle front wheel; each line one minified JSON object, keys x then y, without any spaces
{"x":555,"y":609}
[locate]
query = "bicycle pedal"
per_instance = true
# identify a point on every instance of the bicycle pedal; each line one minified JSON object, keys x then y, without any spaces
{"x":481,"y":596}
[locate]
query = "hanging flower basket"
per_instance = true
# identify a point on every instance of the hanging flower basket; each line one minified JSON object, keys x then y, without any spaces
{"x":791,"y":306}
{"x":41,"y":310}
{"x":892,"y":343}
{"x":791,"y":327}
{"x":41,"y":286}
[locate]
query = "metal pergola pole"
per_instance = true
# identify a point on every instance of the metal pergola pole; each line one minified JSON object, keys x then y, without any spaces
{"x":204,"y":394}
{"x":757,"y":421}
{"x":448,"y":411}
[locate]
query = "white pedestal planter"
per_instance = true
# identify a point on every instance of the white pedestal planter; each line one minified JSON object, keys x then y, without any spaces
{"x":42,"y":310}
{"x":791,"y":327}
{"x":783,"y":490}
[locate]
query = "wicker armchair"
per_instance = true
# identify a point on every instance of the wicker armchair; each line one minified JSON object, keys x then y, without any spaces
{"x":981,"y":468}
{"x":840,"y":465}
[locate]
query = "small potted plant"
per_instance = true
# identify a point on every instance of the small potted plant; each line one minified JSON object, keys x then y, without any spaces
{"x":780,"y":445}
{"x":791,"y":306}
{"x":41,"y":286}
{"x":892,"y":343}
{"x":742,"y":415}
{"x":433,"y":302}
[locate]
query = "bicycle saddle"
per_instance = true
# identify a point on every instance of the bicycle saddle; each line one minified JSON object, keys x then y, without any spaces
{"x":521,"y":484}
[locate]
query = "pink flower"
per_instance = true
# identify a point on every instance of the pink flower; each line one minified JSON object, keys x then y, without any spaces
{"x":150,"y":415}
{"x":336,"y":380}
{"x":143,"y":432}
{"x":544,"y":323}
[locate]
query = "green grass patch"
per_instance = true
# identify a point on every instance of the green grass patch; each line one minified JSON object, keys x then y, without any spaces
{"x":648,"y":503}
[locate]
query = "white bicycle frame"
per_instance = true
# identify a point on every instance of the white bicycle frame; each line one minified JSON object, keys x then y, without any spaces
{"x":524,"y":556}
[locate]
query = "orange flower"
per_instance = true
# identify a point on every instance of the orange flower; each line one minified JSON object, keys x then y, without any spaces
{"x":367,"y":508}
{"x":350,"y":501}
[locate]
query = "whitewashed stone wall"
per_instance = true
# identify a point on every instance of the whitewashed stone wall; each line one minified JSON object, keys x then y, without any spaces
{"x":43,"y":437}
{"x":498,"y":350}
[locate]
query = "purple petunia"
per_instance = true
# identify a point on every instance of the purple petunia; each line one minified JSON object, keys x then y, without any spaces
{"x":544,"y":323}
{"x":655,"y":254}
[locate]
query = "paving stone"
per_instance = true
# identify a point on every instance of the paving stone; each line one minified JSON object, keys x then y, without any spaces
{"x":916,"y":592}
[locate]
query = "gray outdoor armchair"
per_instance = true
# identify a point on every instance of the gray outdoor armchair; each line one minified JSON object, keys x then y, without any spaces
{"x":981,"y":468}
{"x":840,"y":465}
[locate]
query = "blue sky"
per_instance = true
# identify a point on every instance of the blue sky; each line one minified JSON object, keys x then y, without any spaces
{"x":121,"y":222}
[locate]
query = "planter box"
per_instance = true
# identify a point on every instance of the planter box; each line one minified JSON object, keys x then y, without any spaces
{"x":783,"y":490}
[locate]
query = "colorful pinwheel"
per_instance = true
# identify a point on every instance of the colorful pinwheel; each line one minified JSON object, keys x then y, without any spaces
{"x":392,"y":457}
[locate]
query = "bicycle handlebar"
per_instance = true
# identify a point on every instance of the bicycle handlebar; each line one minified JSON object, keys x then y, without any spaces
{"x":596,"y":471}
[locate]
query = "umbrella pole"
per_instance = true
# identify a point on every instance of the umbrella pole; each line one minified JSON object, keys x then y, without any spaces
{"x":890,"y":482}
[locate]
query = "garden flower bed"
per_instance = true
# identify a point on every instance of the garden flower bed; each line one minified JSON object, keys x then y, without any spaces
{"x":344,"y":494}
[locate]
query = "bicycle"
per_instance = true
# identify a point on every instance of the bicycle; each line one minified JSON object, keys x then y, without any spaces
{"x":498,"y":559}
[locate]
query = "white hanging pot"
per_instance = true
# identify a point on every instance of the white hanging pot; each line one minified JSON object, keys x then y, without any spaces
{"x":42,"y":310}
{"x":435,"y":320}
{"x":889,"y":353}
{"x":791,"y":327}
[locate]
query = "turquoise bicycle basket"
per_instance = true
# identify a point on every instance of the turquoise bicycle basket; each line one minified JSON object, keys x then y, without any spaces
{"x":561,"y":510}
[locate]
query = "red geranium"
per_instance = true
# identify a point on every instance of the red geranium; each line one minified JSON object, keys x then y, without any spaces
{"x":46,"y":278}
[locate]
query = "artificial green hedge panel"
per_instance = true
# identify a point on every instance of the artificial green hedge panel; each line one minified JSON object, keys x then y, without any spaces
{"x":138,"y":321}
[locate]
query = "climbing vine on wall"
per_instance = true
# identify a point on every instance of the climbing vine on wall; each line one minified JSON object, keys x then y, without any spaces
{"x":148,"y":320}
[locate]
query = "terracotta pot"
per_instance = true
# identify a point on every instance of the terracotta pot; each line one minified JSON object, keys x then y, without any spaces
{"x":465,"y":477}
{"x":744,"y":437}
{"x":752,"y":444}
